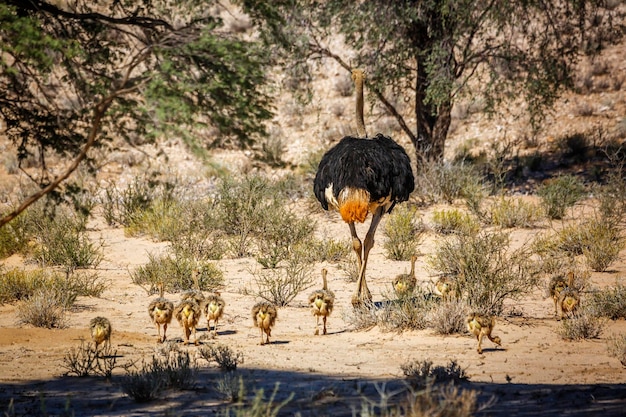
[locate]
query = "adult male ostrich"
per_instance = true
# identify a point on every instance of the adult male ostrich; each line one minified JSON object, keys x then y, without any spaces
{"x":362,"y":175}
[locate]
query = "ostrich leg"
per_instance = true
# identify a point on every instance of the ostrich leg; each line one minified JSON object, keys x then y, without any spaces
{"x":356,"y":245}
{"x":363,"y":293}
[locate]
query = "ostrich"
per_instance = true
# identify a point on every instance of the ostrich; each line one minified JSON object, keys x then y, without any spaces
{"x":480,"y":326}
{"x":404,"y":284}
{"x":100,"y":328}
{"x":188,"y":312}
{"x":161,"y":311}
{"x":321,"y":302}
{"x":213,"y":309}
{"x":362,"y":175}
{"x":264,"y":316}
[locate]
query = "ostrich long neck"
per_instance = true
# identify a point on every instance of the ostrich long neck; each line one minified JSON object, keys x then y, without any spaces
{"x":324,"y":272}
{"x":358,"y":77}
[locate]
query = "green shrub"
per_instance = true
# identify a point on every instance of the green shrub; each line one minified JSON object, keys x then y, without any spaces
{"x":509,"y":212}
{"x":610,"y":302}
{"x":63,"y":240}
{"x":278,"y":235}
{"x":243,"y":206}
{"x":14,"y":236}
{"x":559,"y":194}
{"x":454,"y":221}
{"x":488,"y":271}
{"x":404,"y":232}
{"x":599,"y":240}
{"x":177,"y":274}
{"x":258,"y":406}
{"x":329,"y":250}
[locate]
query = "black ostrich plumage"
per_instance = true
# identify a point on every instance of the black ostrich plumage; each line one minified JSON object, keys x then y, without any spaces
{"x":378,"y":165}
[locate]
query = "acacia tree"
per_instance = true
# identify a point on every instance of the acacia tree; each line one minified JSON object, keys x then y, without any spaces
{"x":431,"y":52}
{"x":75,"y":75}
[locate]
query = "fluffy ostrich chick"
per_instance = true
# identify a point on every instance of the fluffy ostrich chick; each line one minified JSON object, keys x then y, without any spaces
{"x":100,"y":328}
{"x":480,"y":326}
{"x":188,"y":312}
{"x":264,"y":316}
{"x":321,"y":302}
{"x":161,"y":311}
{"x":404,"y":284}
{"x":213,"y":309}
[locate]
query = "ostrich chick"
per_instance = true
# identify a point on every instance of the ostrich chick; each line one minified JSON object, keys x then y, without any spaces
{"x":264,"y":316}
{"x":213,"y":309}
{"x":161,"y":311}
{"x":188,"y":313}
{"x":445,"y":287}
{"x":568,"y":302}
{"x":321,"y":302}
{"x":404,"y":284}
{"x":556,"y":285}
{"x":480,"y":326}
{"x":100,"y":328}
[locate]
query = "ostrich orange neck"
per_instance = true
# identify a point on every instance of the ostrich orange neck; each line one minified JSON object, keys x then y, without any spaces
{"x":358,"y":76}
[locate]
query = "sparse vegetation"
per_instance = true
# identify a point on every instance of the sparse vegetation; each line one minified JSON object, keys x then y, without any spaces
{"x":420,"y":374}
{"x":45,"y":308}
{"x":226,"y":358}
{"x":88,"y":360}
{"x":514,"y":212}
{"x":404,"y":232}
{"x":177,"y":371}
{"x":610,"y":302}
{"x":406,"y":312}
{"x":617,"y":348}
{"x":582,"y":325}
{"x":176,"y":274}
{"x":448,"y":317}
{"x":487,"y":271}
{"x":559,"y":194}
{"x":454,"y":221}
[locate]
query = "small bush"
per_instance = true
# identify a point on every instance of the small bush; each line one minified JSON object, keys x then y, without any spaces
{"x":63,"y":241}
{"x":559,"y":194}
{"x":582,"y":325}
{"x":451,"y":181}
{"x":610,"y":302}
{"x":406,"y":313}
{"x":617,"y":348}
{"x":361,"y":317}
{"x":232,"y":387}
{"x":404,"y":232}
{"x":488,"y":271}
{"x":17,"y":284}
{"x":176,"y":371}
{"x":176,"y":274}
{"x":448,"y":318}
{"x":329,"y":250}
{"x":510,"y":213}
{"x":599,"y":240}
{"x":351,"y":268}
{"x":420,"y":374}
{"x":272,"y":150}
{"x":14,"y":236}
{"x":226,"y":359}
{"x":454,"y":221}
{"x":45,"y":308}
{"x":280,"y":286}
{"x":89,"y":360}
{"x":279,"y":232}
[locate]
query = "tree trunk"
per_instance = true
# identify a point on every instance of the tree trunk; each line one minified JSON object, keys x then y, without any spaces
{"x":432,"y":123}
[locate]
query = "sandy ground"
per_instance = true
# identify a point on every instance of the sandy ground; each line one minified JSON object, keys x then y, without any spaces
{"x":534,"y":373}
